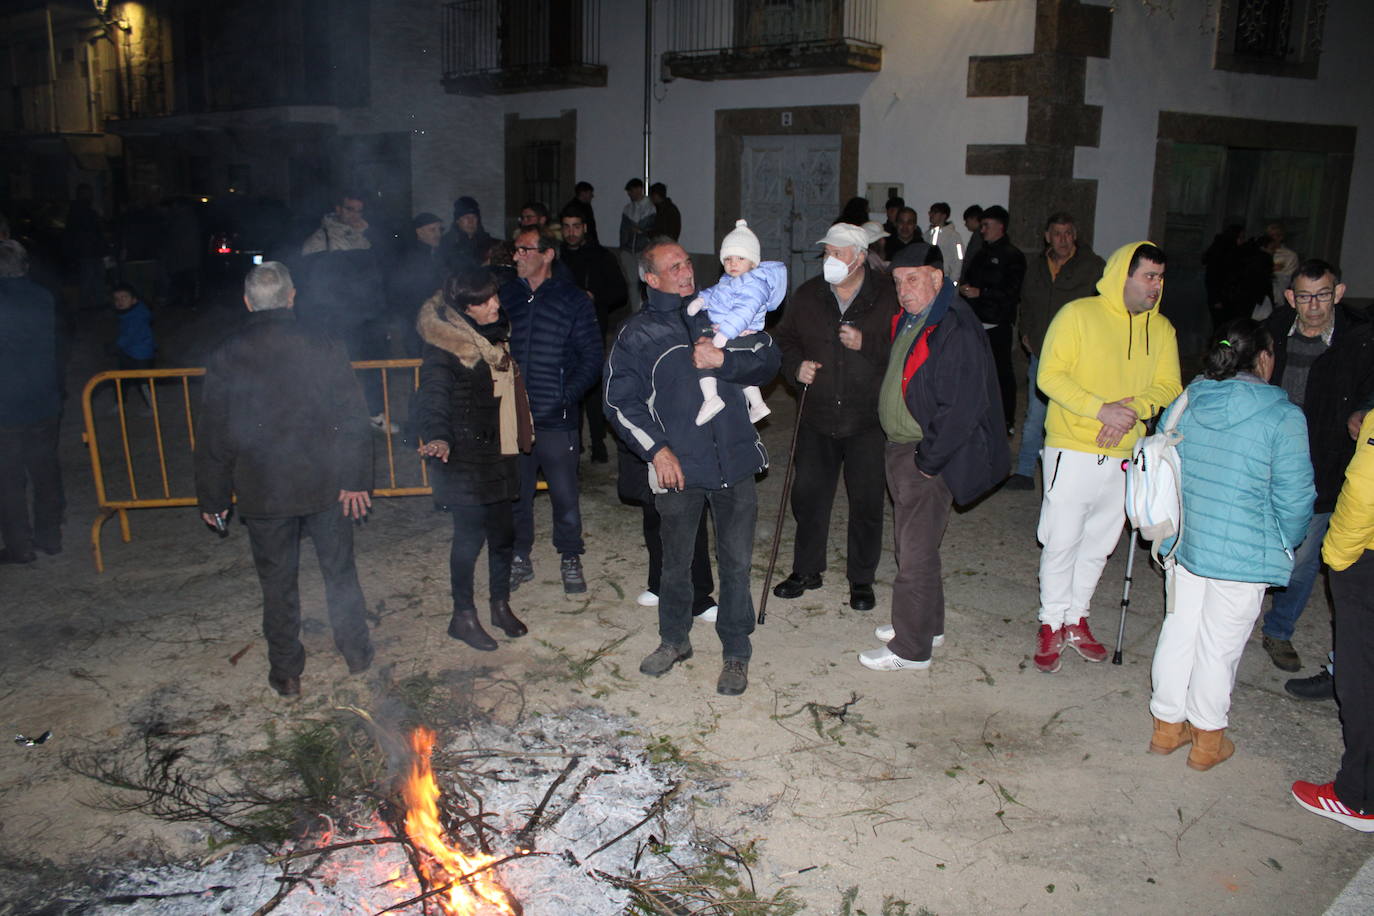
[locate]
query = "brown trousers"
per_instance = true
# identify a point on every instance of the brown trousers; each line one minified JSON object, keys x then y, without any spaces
{"x":920,"y":513}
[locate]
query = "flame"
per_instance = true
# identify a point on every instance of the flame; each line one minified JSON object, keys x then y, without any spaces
{"x":441,"y":863}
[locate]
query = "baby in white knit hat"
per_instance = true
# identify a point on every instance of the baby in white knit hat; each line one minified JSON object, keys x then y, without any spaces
{"x":737,"y":305}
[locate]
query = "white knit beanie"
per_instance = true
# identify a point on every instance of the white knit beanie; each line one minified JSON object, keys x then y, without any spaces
{"x":740,"y":242}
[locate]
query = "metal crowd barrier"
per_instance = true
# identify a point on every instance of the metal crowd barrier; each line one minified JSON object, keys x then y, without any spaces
{"x":170,"y":468}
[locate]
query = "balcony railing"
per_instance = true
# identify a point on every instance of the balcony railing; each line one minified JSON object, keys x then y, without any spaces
{"x":503,"y":46}
{"x":736,"y":39}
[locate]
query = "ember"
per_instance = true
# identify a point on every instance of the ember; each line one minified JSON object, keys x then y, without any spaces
{"x":470,"y":886}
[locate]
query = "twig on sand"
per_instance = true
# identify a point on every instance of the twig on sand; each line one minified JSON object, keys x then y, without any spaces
{"x":1049,"y":723}
{"x":1179,"y":836}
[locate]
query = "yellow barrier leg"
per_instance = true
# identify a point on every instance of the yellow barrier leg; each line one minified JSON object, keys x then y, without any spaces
{"x":124,"y":532}
{"x":96,"y":525}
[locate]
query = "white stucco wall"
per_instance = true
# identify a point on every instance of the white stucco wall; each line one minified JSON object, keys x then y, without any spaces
{"x":1160,"y":63}
{"x":914,"y":117}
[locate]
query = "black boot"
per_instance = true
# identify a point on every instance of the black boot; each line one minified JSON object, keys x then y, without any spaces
{"x":503,"y":619}
{"x":466,"y":627}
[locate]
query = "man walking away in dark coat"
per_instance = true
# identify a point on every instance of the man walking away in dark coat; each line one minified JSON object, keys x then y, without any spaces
{"x":992,"y":287}
{"x":1068,"y":271}
{"x":283,"y":427}
{"x":668,"y":218}
{"x":30,"y":408}
{"x":597,"y":273}
{"x":417,"y":275}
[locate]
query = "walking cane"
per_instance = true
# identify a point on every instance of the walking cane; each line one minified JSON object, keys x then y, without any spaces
{"x":782,"y":506}
{"x":1125,"y":596}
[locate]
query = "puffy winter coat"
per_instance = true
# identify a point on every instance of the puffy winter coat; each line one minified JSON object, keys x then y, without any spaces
{"x":30,"y":383}
{"x":555,"y":339}
{"x":652,"y":396}
{"x":1247,"y":480}
{"x":455,"y":404}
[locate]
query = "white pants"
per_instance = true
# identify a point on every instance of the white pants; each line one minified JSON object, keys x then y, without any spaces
{"x":1080,"y":524}
{"x":1200,"y":646}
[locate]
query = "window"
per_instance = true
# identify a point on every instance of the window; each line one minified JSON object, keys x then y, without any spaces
{"x":1272,"y":37}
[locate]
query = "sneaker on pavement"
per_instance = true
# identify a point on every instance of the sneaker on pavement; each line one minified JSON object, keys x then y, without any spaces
{"x":887,"y":633}
{"x":647,"y":599}
{"x":521,"y":570}
{"x":380,"y":424}
{"x":885,"y":659}
{"x":1322,"y":800}
{"x":1019,"y":482}
{"x":1320,"y":686}
{"x":1079,"y":638}
{"x":658,"y":662}
{"x":709,"y":615}
{"x":1282,"y":654}
{"x":574,"y":583}
{"x":1049,"y":645}
{"x":734,"y":677}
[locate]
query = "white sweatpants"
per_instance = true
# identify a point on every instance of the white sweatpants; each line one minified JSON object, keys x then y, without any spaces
{"x":1080,"y":524}
{"x":1200,"y":646}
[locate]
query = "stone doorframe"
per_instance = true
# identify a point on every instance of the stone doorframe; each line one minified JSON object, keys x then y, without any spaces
{"x":1337,"y":142}
{"x":733,"y":125}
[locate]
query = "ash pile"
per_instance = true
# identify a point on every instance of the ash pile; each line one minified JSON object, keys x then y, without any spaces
{"x":564,"y":815}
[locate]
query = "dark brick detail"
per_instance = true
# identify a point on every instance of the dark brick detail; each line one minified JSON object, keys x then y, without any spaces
{"x":1053,"y":79}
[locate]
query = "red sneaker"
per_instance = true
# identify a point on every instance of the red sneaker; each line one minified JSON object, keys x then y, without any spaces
{"x":1078,"y":637}
{"x":1048,"y":644}
{"x":1322,"y":800}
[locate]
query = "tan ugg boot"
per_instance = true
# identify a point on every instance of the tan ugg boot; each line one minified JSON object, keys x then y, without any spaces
{"x":1169,"y":736}
{"x":1209,"y":748}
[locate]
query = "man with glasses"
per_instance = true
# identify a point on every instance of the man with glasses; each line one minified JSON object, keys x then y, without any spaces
{"x":557,"y":345}
{"x":1324,"y":359}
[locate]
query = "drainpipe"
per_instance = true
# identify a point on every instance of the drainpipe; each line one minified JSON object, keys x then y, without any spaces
{"x":648,"y":81}
{"x":52,"y":73}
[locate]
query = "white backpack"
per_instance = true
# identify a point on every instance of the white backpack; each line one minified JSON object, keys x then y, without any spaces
{"x":1154,"y":486}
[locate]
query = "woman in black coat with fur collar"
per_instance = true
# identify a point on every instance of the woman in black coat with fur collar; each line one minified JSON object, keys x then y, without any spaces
{"x":474,"y":418}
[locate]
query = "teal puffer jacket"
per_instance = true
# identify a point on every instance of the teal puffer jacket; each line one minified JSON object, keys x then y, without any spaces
{"x":1247,"y":480}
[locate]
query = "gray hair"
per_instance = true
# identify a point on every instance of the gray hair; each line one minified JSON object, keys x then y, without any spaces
{"x":14,"y":260}
{"x":268,"y":286}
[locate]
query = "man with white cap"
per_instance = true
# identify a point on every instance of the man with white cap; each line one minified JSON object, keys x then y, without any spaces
{"x":835,"y":336}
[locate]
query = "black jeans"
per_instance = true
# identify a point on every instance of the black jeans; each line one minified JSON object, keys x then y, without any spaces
{"x":702,"y":581}
{"x":555,"y":452}
{"x":1000,"y":337}
{"x":28,"y":457}
{"x":1353,"y":591}
{"x":734,"y":509}
{"x":276,"y":544}
{"x":494,"y":524}
{"x":819,"y":459}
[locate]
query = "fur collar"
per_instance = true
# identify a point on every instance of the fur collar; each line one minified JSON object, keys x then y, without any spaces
{"x":444,"y":328}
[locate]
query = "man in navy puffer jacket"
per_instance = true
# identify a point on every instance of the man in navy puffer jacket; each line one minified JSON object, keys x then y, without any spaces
{"x":652,"y":398}
{"x":557,"y":345}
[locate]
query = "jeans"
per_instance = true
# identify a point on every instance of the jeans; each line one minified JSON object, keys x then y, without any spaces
{"x":702,"y":581}
{"x":1307,"y":562}
{"x":734,"y":509}
{"x":493,"y":524}
{"x":819,"y":460}
{"x":555,"y":452}
{"x":1353,"y":590}
{"x":276,"y":544}
{"x":1033,"y":433}
{"x":28,"y":458}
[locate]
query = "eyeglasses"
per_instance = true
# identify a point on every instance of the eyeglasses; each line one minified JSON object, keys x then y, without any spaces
{"x":1323,"y":296}
{"x":525,"y":249}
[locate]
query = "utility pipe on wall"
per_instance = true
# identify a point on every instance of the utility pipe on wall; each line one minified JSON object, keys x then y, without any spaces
{"x":52,"y":73}
{"x":648,"y":82}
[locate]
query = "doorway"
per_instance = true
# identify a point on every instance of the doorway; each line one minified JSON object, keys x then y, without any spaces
{"x":788,"y":189}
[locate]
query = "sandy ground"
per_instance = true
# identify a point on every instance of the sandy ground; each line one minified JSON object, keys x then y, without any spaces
{"x":979,"y":786}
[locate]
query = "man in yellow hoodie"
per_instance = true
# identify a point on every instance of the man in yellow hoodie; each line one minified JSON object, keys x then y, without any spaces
{"x":1108,"y":364}
{"x":1349,"y":551}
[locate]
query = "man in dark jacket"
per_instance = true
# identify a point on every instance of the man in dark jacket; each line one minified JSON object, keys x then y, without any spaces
{"x":581,"y":206}
{"x":992,"y":287}
{"x":1069,"y":270}
{"x":30,"y":411}
{"x":940,"y":410}
{"x":416,"y":275}
{"x":597,"y":273}
{"x":652,"y":397}
{"x":835,"y":339}
{"x":1324,"y":359}
{"x":282,"y":426}
{"x":557,"y":345}
{"x":667,"y":218}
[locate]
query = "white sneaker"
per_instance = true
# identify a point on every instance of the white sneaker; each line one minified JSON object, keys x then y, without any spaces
{"x":709,"y":408}
{"x":885,"y":660}
{"x":379,"y":423}
{"x":709,"y":615}
{"x":886,"y":633}
{"x":758,"y":411}
{"x":647,"y":599}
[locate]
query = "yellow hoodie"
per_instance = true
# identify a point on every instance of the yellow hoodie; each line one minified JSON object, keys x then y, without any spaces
{"x":1097,"y":352}
{"x":1352,"y":524}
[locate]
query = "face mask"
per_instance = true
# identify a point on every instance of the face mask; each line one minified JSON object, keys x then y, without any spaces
{"x":834,"y":270}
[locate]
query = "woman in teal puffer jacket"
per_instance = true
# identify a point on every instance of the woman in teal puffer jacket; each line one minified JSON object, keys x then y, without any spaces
{"x":1247,"y":499}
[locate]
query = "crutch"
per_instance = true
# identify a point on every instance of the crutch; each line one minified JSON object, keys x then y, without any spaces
{"x":1125,"y":595}
{"x":782,"y":506}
